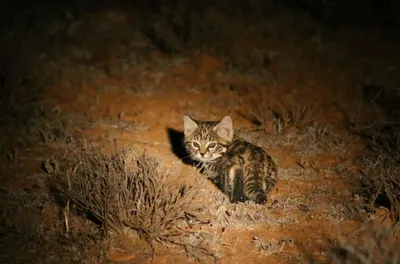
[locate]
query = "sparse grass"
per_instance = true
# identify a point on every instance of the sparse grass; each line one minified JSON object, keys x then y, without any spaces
{"x":273,"y":246}
{"x":135,"y":193}
{"x":285,"y":122}
{"x":381,"y":178}
{"x":226,"y":215}
{"x":373,"y":245}
{"x":272,"y":115}
{"x":380,"y":172}
{"x":317,"y":139}
{"x":20,"y":119}
{"x":30,"y":231}
{"x":179,"y":28}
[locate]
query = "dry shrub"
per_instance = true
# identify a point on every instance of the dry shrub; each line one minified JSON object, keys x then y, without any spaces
{"x":373,"y":245}
{"x":382,"y":181}
{"x":30,"y":233}
{"x":381,"y":178}
{"x":272,"y":245}
{"x":134,"y":193}
{"x":273,"y":115}
{"x":176,"y":28}
{"x":380,"y":172}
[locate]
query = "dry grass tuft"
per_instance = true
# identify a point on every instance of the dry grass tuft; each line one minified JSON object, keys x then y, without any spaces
{"x":380,"y":172}
{"x":274,"y":116}
{"x":382,"y":180}
{"x":30,"y":232}
{"x":374,"y":245}
{"x":273,"y":246}
{"x":135,"y":193}
{"x":380,"y":175}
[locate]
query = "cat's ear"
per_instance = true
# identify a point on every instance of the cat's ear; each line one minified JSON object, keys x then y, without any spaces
{"x":224,"y":129}
{"x":189,"y":125}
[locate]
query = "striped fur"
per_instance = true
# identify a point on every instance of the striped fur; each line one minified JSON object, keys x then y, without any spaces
{"x":240,"y":169}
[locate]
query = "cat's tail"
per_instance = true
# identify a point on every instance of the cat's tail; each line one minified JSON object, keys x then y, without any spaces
{"x":256,"y":187}
{"x":254,"y":190}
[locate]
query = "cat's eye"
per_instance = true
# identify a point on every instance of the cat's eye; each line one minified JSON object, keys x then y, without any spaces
{"x":195,"y":145}
{"x":211,"y":145}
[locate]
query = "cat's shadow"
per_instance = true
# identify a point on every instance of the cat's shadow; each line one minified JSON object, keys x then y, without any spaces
{"x":176,"y":139}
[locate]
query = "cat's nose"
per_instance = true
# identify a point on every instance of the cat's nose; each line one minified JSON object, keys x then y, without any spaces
{"x":202,"y":154}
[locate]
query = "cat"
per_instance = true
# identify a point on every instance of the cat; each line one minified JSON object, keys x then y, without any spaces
{"x":240,"y":169}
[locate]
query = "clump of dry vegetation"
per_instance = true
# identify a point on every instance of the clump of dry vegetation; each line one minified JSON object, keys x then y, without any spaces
{"x":380,"y":179}
{"x":380,"y":173}
{"x":272,"y":246}
{"x":135,"y":194}
{"x":274,"y":115}
{"x":179,"y":28}
{"x":30,"y":232}
{"x":288,"y":122}
{"x":19,"y":118}
{"x":374,"y":245}
{"x":382,"y":184}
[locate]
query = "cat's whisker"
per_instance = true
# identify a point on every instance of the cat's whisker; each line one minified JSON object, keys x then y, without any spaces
{"x":186,"y":158}
{"x":201,"y":166}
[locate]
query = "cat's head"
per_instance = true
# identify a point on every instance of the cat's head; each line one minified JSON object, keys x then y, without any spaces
{"x":207,"y":141}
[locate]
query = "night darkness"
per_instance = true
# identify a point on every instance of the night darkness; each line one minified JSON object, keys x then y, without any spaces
{"x":92,"y":100}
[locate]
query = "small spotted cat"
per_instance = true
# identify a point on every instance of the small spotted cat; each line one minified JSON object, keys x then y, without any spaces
{"x":238,"y":168}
